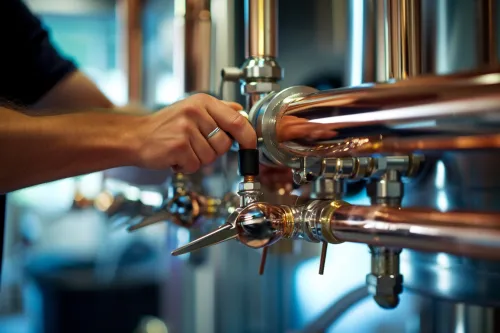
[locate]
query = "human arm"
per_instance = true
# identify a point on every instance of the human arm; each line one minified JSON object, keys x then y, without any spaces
{"x":77,"y":92}
{"x":40,"y":149}
{"x":73,"y":92}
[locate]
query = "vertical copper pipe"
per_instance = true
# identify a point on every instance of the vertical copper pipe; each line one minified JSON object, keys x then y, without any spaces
{"x":382,"y":40}
{"x":261,"y":29}
{"x":197,"y":46}
{"x":404,"y":38}
{"x":130,"y":12}
{"x":369,"y":42}
{"x":486,"y":33}
{"x":429,"y":36}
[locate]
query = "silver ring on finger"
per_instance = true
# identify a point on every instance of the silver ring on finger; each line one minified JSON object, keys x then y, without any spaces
{"x":211,"y":134}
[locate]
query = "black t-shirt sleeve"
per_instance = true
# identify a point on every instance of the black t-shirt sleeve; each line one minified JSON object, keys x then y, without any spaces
{"x":30,"y":66}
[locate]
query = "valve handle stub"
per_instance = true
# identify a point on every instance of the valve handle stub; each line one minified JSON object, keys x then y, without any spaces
{"x":248,"y":162}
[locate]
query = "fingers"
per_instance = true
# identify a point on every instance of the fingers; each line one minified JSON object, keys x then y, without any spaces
{"x":203,"y":114}
{"x":203,"y":150}
{"x":232,"y":122}
{"x":220,"y":142}
{"x":187,"y":161}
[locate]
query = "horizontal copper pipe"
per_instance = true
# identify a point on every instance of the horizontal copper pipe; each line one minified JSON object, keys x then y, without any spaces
{"x":427,"y":113}
{"x":475,"y":234}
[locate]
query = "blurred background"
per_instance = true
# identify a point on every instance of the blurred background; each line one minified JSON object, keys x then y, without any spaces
{"x":69,"y":268}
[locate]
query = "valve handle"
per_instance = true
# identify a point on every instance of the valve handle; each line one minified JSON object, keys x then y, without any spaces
{"x":248,"y":162}
{"x":263,"y":259}
{"x":322,"y":260}
{"x":156,"y":218}
{"x":223,"y":233}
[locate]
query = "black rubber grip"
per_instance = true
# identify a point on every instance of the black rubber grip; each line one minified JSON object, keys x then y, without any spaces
{"x":248,"y":162}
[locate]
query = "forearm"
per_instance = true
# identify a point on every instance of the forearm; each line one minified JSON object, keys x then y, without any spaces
{"x":77,"y":93}
{"x":35,"y":150}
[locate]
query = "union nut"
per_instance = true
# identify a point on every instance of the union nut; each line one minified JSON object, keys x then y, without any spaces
{"x":248,"y":186}
{"x":385,"y":289}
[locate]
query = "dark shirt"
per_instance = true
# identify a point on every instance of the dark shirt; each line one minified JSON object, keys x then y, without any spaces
{"x":30,"y":66}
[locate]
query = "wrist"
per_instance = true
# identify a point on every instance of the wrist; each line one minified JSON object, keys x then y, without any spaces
{"x":112,"y":138}
{"x":134,"y":109}
{"x":137,"y":137}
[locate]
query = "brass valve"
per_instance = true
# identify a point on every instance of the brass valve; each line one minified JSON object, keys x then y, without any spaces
{"x":261,"y":224}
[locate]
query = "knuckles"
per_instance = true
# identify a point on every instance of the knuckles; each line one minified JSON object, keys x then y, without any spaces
{"x":192,"y":110}
{"x":180,"y":145}
{"x":203,"y":98}
{"x":238,"y":121}
{"x":184,"y":124}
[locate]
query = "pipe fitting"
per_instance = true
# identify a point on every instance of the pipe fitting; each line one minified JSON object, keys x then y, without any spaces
{"x":250,"y":88}
{"x":384,"y":282}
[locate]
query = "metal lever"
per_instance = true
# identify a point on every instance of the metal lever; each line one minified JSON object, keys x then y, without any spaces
{"x":263,"y":261}
{"x":322,"y":260}
{"x":234,"y":227}
{"x":158,"y":217}
{"x":224,"y":233}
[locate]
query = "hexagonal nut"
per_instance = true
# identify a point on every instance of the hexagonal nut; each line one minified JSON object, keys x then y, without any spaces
{"x":247,"y":186}
{"x":259,"y":87}
{"x":268,"y":71}
{"x":384,"y":285}
{"x":386,"y":189}
{"x":262,"y":68}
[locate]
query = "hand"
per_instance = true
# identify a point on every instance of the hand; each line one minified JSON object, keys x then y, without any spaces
{"x":177,"y":135}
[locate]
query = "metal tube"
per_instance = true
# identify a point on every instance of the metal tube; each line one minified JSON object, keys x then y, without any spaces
{"x":404,"y":38}
{"x":486,"y":33}
{"x":474,"y":234}
{"x":261,"y":29}
{"x":334,"y":312}
{"x":130,"y":12}
{"x":197,"y":46}
{"x":427,"y":113}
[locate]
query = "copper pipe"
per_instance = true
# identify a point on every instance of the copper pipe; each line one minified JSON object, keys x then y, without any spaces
{"x":197,"y":46}
{"x":261,"y":28}
{"x":486,"y":33}
{"x":403,"y":38}
{"x":382,"y":41}
{"x":457,"y":110}
{"x":130,"y":12}
{"x":475,"y":234}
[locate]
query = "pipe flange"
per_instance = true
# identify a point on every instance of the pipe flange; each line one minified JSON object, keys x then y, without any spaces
{"x":263,"y":117}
